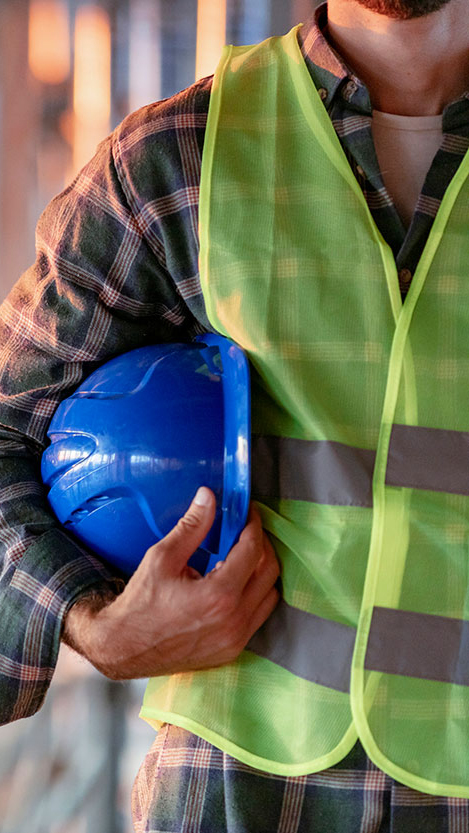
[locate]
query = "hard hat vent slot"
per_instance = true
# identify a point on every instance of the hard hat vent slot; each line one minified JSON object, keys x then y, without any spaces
{"x":97,"y":395}
{"x":64,"y":452}
{"x":91,"y":505}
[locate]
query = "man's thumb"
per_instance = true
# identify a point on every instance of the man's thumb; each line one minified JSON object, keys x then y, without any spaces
{"x":190,"y":531}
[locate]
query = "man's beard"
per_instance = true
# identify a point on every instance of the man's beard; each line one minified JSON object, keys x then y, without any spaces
{"x":403,"y":9}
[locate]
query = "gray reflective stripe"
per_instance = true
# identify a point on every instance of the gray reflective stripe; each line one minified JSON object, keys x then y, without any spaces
{"x":316,"y":471}
{"x":429,"y":458}
{"x":313,"y":648}
{"x":419,"y":645}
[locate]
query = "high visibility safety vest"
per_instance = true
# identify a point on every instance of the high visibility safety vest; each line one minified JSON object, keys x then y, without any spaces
{"x":360,"y":446}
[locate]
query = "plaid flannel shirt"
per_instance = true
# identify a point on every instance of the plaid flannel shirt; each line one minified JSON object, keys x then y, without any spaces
{"x":117,"y":268}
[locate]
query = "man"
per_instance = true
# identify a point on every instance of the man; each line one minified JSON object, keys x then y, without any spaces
{"x":312,"y":294}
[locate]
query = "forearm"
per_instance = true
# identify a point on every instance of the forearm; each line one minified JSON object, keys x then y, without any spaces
{"x":43,"y":573}
{"x":77,"y":630}
{"x":101,"y":285}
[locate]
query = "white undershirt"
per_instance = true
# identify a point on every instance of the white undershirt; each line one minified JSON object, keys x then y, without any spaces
{"x":405,"y":147}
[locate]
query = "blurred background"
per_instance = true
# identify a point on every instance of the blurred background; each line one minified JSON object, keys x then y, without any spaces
{"x":69,"y":73}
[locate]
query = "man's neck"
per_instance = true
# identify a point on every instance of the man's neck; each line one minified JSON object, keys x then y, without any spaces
{"x":411,"y":67}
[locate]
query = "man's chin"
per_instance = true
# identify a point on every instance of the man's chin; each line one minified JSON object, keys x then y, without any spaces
{"x":403,"y":9}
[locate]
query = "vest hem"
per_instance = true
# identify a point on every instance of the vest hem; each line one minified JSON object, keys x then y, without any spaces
{"x":403,"y":776}
{"x":156,"y":717}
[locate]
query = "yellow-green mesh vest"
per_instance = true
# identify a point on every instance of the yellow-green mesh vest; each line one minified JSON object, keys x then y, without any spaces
{"x":358,"y":401}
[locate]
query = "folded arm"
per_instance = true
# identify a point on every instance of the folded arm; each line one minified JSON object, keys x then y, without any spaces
{"x":96,"y":289}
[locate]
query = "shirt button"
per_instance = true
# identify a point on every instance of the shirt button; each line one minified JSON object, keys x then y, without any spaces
{"x":349,"y":89}
{"x":405,"y":276}
{"x":360,"y":171}
{"x":322,"y":93}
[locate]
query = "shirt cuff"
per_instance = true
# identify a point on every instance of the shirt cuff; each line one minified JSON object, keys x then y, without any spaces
{"x":35,"y":594}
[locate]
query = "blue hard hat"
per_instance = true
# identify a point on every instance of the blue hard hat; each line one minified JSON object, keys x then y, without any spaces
{"x":129,"y":448}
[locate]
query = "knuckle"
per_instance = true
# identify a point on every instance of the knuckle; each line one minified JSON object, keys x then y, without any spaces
{"x":268,"y":571}
{"x":251,"y":545}
{"x":254,"y":515}
{"x":188,"y":523}
{"x":252,"y":534}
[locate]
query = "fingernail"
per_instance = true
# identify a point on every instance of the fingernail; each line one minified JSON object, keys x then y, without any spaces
{"x":203,"y":496}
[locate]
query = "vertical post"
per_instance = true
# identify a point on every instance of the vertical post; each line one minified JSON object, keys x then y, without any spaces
{"x":144,"y":52}
{"x":255,"y":21}
{"x":19,"y":117}
{"x":91,"y":81}
{"x":211,"y":34}
{"x":49,"y":40}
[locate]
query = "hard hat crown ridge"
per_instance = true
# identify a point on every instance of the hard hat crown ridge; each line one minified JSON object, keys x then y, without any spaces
{"x":130,"y":447}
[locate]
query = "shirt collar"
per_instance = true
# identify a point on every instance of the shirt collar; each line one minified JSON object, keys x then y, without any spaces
{"x":335,"y":80}
{"x":330,"y":73}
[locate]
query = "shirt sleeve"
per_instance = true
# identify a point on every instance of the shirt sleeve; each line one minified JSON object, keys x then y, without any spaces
{"x":99,"y":286}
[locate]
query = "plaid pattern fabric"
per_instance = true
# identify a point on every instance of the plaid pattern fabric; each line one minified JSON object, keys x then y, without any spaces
{"x":185,"y":785}
{"x":117,"y":268}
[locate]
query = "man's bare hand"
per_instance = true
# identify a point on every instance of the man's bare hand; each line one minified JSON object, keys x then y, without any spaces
{"x":169,"y":618}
